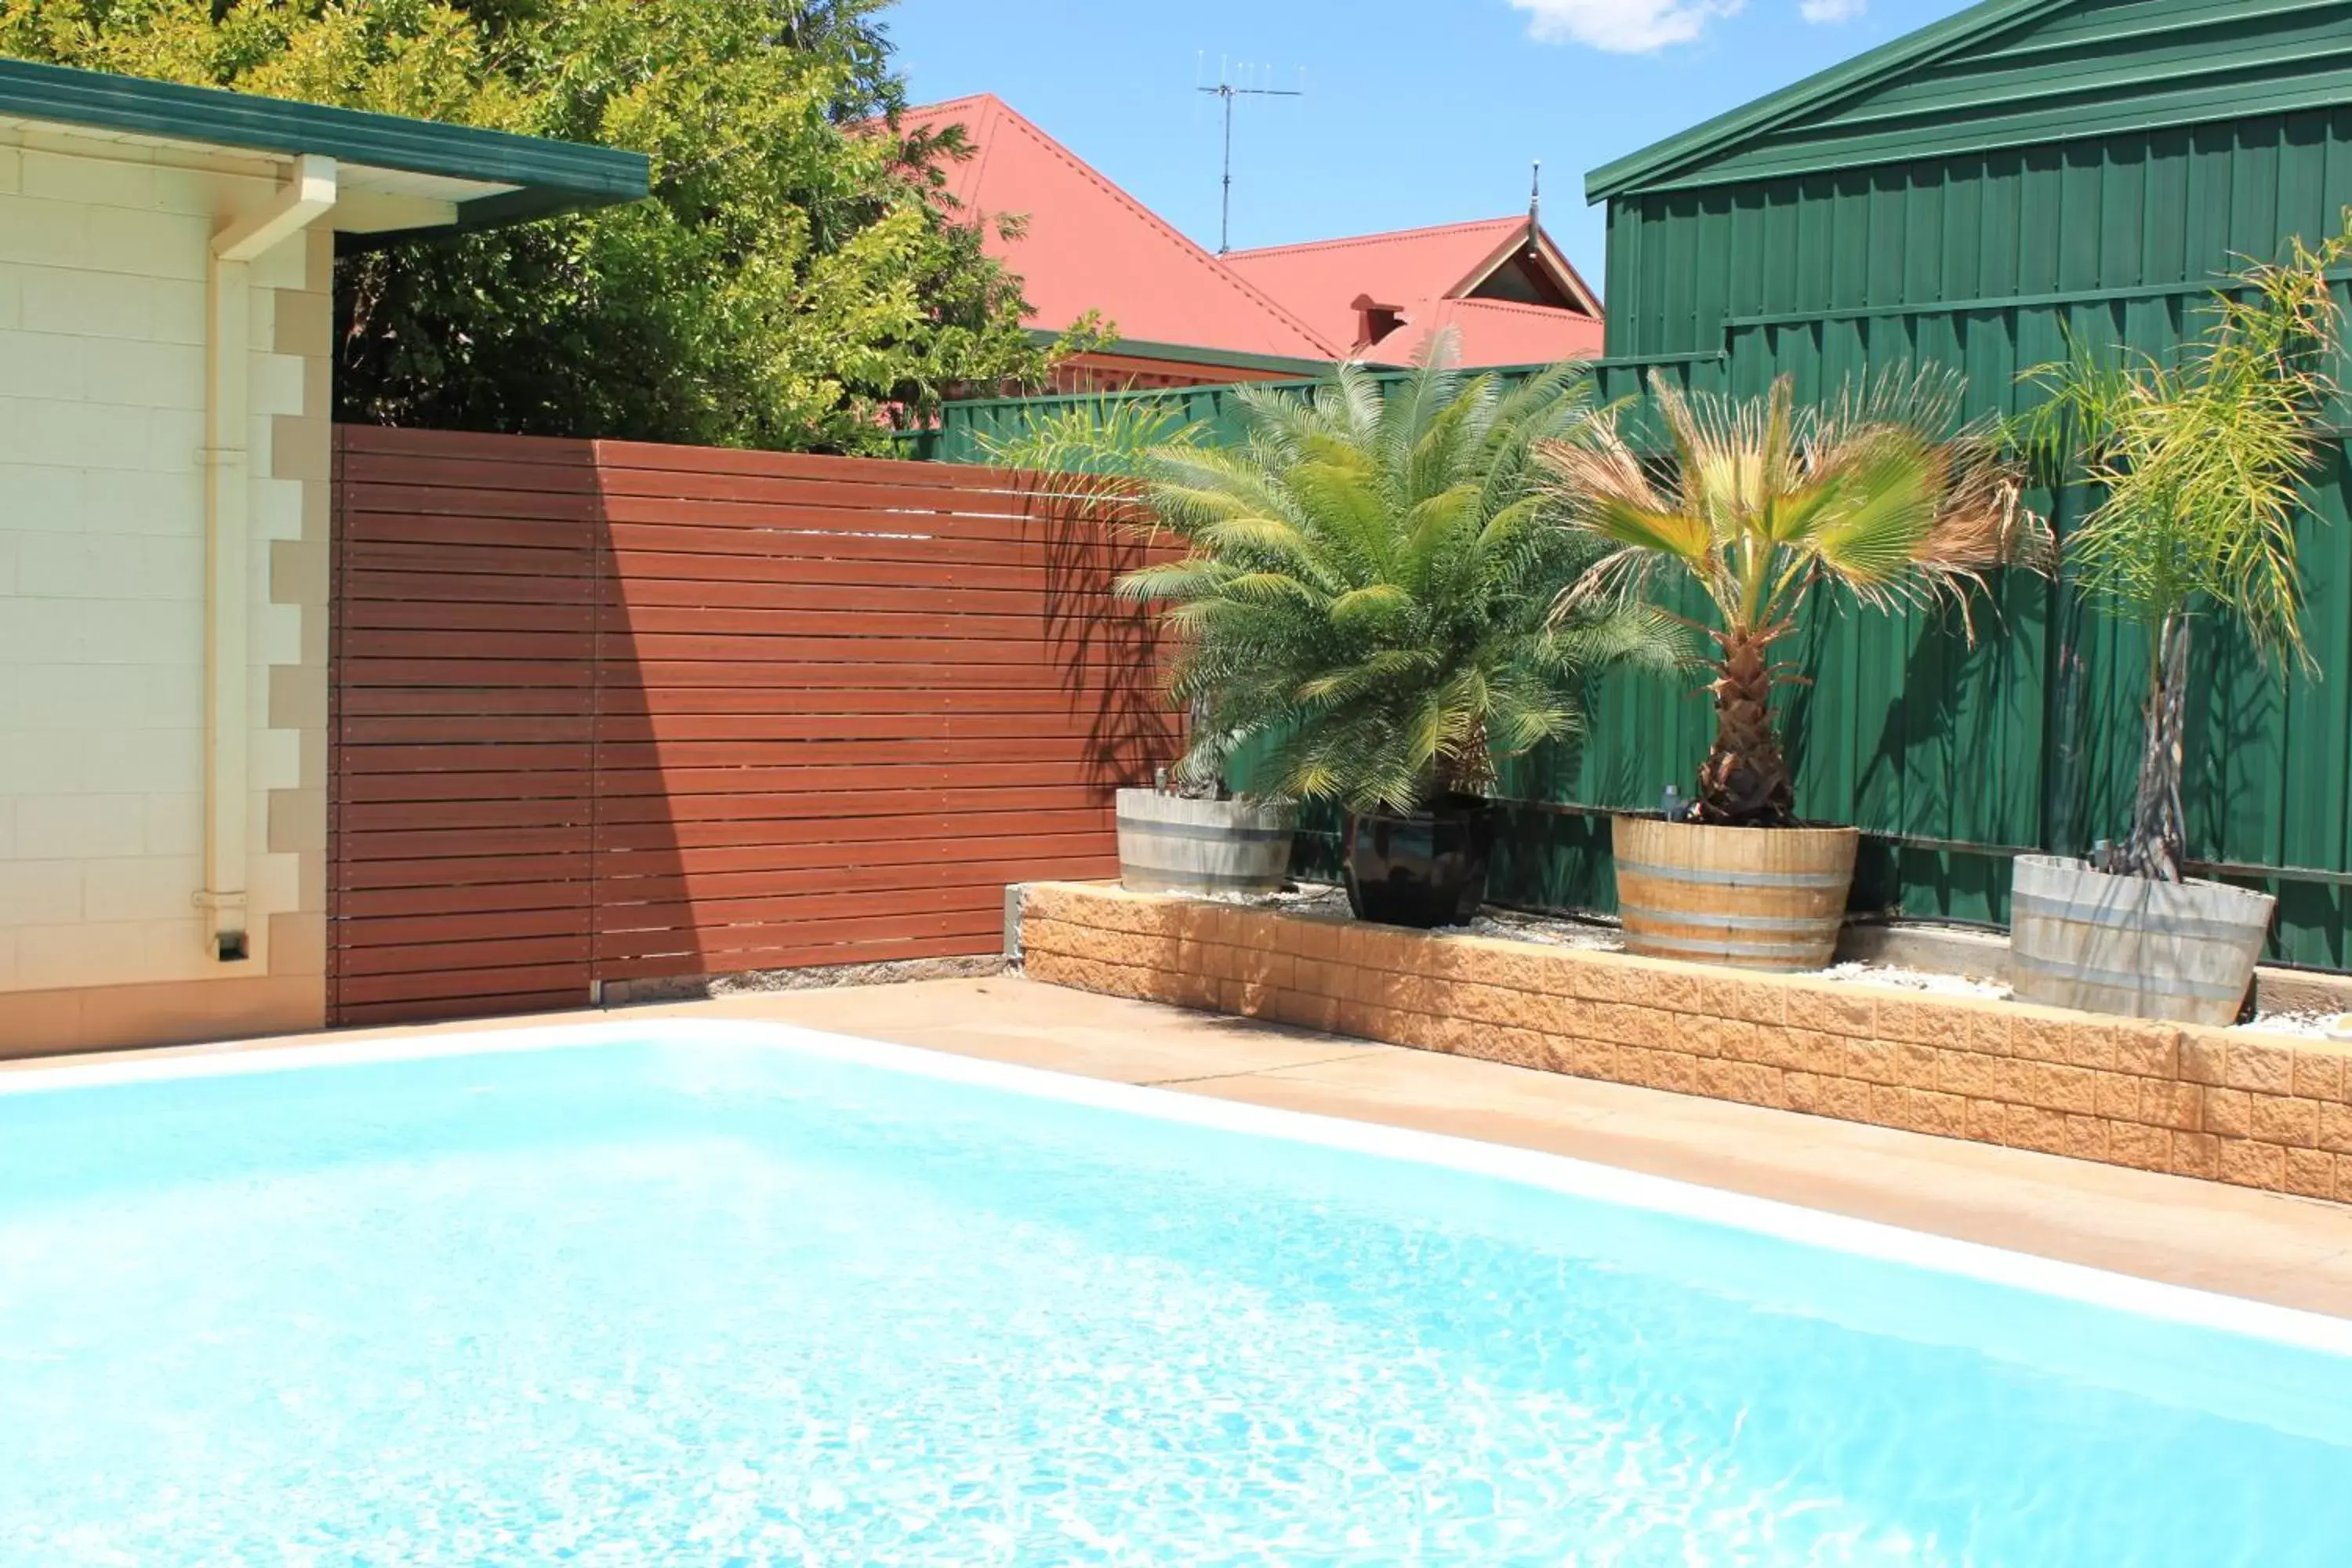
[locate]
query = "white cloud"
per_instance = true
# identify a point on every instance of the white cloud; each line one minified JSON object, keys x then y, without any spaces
{"x":1831,"y":10}
{"x":1630,"y":26}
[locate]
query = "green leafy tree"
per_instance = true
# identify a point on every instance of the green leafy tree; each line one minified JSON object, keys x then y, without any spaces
{"x":1759,"y":504}
{"x":2200,"y":462}
{"x":794,"y":283}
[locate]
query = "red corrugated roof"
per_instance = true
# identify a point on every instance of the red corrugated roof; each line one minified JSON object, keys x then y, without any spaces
{"x":1089,"y":246}
{"x":1421,"y":271}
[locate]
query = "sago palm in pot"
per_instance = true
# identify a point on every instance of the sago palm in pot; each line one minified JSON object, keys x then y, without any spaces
{"x":1366,"y":594}
{"x":1761,"y":504}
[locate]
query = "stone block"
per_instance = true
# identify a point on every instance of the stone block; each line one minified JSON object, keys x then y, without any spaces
{"x":1919,"y":1019}
{"x":1651,"y":1028}
{"x":2230,"y":1112}
{"x":1518,"y":1048}
{"x":2251,"y":1164}
{"x":2071,"y":1045}
{"x":1972,"y":1076}
{"x":2148,"y":1049}
{"x":2318,"y":1074}
{"x":1776,"y":1047}
{"x":1193,"y":988}
{"x":2039,"y":1128}
{"x":2141,"y":1147}
{"x":2286,"y":1119}
{"x":2086,"y":1137}
{"x":1801,"y":1091}
{"x":2310,"y":1173}
{"x":1705,"y":1036}
{"x":1310,"y":1010}
{"x":1983,"y":1027}
{"x":2117,"y":1097}
{"x":1317,"y":936}
{"x":2204,"y":1055}
{"x":2265,"y":1069}
{"x":2073,"y":1091}
{"x":1750,"y":1083}
{"x":2336,"y":1128}
{"x":1749,"y":998}
{"x":1650,"y":984}
{"x":2177,"y":1106}
{"x":1881,"y":1061}
{"x":2196,"y":1154}
{"x":1845,"y":1098}
{"x":1047,"y":901}
{"x":1520,"y":965}
{"x":1945,"y":1115}
{"x":1602,"y":1060}
{"x":1832,"y":1010}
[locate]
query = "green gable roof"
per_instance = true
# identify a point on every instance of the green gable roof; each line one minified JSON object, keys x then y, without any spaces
{"x":543,"y":176}
{"x":2010,"y":73}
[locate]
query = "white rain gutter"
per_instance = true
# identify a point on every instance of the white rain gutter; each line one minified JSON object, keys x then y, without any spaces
{"x":229,"y":374}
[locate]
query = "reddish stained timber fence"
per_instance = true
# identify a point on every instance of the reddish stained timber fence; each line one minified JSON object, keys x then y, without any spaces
{"x":609,"y":712}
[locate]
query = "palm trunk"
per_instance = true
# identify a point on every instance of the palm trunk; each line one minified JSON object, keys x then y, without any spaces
{"x":1745,"y":783}
{"x":1466,"y":772}
{"x":2159,"y":840}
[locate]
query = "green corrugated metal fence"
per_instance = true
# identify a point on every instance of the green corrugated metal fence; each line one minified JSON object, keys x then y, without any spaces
{"x":1990,"y":262}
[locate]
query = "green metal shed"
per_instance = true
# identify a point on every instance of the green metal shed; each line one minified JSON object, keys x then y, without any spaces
{"x":1971,"y":193}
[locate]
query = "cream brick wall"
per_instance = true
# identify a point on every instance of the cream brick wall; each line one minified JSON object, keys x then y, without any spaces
{"x":102,"y":321}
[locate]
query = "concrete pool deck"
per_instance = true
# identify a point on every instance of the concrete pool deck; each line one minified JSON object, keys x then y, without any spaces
{"x":2268,"y":1247}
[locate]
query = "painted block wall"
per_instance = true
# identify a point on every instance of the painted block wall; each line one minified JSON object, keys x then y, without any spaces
{"x":103,"y":252}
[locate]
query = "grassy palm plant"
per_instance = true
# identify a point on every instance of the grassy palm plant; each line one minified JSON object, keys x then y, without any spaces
{"x":1759,"y":504}
{"x":2199,"y":464}
{"x":1366,"y":581}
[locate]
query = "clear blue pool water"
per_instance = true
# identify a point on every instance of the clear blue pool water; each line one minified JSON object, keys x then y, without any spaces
{"x":716,"y":1303}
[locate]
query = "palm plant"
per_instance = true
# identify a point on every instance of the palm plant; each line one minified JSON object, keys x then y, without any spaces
{"x":1759,"y":504}
{"x":2199,"y":464}
{"x":1367,"y":582}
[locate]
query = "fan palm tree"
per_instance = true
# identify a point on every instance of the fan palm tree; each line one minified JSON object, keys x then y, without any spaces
{"x":1368,"y":582}
{"x":1761,"y":503}
{"x":2200,"y":465}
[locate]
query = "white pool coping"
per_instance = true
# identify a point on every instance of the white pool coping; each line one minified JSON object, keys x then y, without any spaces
{"x":1563,"y":1174}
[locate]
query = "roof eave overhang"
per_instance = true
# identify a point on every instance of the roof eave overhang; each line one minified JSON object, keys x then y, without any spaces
{"x":1192,"y":353}
{"x":545,"y":176}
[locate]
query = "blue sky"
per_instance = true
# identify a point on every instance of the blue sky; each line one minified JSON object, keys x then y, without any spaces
{"x":1417,"y":111}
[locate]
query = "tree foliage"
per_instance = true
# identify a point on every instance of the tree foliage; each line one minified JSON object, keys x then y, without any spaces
{"x":1759,"y":503}
{"x":791,"y":284}
{"x":2200,"y":462}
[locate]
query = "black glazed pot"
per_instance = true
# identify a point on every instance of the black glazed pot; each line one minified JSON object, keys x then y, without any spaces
{"x":1426,"y":868}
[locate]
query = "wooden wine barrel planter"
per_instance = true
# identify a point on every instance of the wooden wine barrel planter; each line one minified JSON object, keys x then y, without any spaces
{"x":1755,"y":898}
{"x":2183,"y":952}
{"x":1168,"y":844}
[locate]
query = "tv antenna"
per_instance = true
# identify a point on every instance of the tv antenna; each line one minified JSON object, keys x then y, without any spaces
{"x":1226,"y":91}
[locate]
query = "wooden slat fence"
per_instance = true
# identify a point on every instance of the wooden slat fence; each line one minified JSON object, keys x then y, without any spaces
{"x":612,"y":711}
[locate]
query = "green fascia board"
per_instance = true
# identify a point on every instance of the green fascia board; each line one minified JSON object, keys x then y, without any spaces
{"x":2064,"y":122}
{"x":550,"y":176}
{"x":1656,"y":164}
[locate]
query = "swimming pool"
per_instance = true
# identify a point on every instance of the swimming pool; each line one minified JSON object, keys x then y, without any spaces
{"x":748,"y":1294}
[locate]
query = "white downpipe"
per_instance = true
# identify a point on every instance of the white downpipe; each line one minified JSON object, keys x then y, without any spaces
{"x":228,"y":407}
